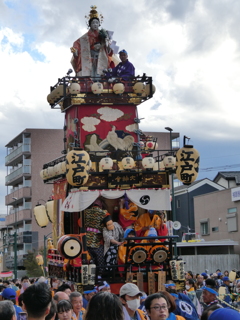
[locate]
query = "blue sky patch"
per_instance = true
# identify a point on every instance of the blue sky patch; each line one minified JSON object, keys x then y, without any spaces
{"x":153,"y":56}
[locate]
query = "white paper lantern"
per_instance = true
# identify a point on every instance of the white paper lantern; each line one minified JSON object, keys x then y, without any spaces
{"x":74,"y":88}
{"x":118,"y":88}
{"x":50,"y":171}
{"x":159,"y":165}
{"x":128,"y":163}
{"x":50,"y":99}
{"x":169,"y":162}
{"x":139,"y":88}
{"x":151,"y":145}
{"x":106,"y":163}
{"x":141,"y":144}
{"x":53,"y":95}
{"x":56,"y":169}
{"x":97,"y":88}
{"x":49,"y":210}
{"x":147,"y":89}
{"x":59,"y":91}
{"x":40,"y":215}
{"x":63,"y":167}
{"x":148,"y":162}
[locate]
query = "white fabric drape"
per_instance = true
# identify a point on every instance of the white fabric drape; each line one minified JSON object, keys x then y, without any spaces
{"x":79,"y":200}
{"x":151,"y":199}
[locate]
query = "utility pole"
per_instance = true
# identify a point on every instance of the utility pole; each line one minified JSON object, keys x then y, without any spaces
{"x":15,"y":255}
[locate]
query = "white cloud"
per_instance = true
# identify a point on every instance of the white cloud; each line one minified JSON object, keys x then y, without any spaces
{"x":109,"y":114}
{"x":190,"y":48}
{"x":89,"y":123}
{"x":132,"y":127}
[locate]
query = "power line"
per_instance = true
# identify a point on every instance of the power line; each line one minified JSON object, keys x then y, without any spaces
{"x":219,"y":168}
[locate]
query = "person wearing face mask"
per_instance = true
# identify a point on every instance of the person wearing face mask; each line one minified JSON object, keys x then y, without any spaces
{"x":191,"y":293}
{"x":145,"y":221}
{"x":130,"y":298}
{"x":112,"y":236}
{"x":25,"y":284}
{"x":91,"y":52}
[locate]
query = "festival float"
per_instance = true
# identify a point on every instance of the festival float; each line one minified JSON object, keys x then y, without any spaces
{"x":110,"y":174}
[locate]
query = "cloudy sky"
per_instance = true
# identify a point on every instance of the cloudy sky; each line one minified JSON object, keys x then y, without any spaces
{"x":189,"y":47}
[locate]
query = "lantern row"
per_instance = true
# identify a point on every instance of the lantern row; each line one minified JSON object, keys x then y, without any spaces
{"x":139,"y":88}
{"x":78,"y":165}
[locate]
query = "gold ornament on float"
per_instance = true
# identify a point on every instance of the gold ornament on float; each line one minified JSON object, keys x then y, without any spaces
{"x":77,"y":163}
{"x":187,"y":164}
{"x":39,"y":259}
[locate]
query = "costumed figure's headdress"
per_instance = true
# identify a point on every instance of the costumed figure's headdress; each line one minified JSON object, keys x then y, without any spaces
{"x":106,"y":218}
{"x":93,"y":15}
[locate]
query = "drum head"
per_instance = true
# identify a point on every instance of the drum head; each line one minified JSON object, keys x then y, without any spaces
{"x":139,"y":255}
{"x":71,"y":248}
{"x":159,"y":255}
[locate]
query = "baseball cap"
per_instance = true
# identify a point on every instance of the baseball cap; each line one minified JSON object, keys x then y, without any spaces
{"x":225,"y":279}
{"x":210,"y":290}
{"x":130,"y":289}
{"x":90,"y":291}
{"x":9,"y":294}
{"x":152,"y":232}
{"x":224,"y":313}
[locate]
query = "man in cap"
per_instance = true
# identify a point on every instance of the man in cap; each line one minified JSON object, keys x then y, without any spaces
{"x":87,"y":296}
{"x":226,"y":285}
{"x":124,"y":69}
{"x":10,"y":294}
{"x":209,"y":294}
{"x":130,"y":297}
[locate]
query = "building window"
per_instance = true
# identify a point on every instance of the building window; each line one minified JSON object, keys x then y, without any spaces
{"x":215,"y":229}
{"x":232,"y":223}
{"x":204,"y":227}
{"x":178,"y":203}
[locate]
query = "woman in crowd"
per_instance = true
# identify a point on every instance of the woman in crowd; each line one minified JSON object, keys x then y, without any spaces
{"x":64,"y":310}
{"x":226,"y":273}
{"x":191,"y":292}
{"x":160,"y":306}
{"x":104,"y":306}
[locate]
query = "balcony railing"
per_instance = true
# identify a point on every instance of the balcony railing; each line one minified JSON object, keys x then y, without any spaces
{"x":18,"y":172}
{"x":16,"y":152}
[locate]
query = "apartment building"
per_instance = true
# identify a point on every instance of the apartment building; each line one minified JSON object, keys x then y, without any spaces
{"x":26,"y":154}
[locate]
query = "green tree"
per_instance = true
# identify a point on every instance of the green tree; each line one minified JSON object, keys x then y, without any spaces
{"x":30,"y":263}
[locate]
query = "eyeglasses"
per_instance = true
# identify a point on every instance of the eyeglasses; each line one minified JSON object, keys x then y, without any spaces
{"x":158,"y":308}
